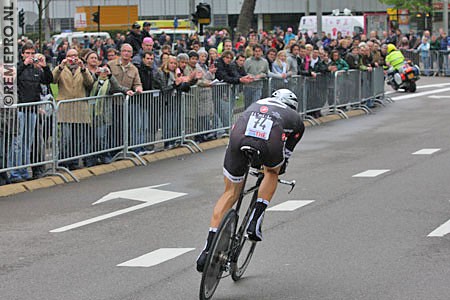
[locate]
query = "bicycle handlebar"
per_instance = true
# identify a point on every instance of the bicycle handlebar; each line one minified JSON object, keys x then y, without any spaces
{"x":287,"y":182}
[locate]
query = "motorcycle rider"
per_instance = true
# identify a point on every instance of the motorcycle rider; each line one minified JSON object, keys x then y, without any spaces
{"x":394,"y":58}
{"x":396,"y":61}
{"x":399,"y":68}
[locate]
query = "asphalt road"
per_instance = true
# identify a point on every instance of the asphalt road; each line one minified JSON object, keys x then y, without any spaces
{"x":360,"y":238}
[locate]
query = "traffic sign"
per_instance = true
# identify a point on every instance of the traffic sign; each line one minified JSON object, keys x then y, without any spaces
{"x":80,"y":20}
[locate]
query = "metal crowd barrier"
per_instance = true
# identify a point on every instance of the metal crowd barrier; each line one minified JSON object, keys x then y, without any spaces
{"x":316,"y":95}
{"x":101,"y":129}
{"x":255,"y":90}
{"x":238,"y":104}
{"x":26,"y":139}
{"x":378,"y":83}
{"x":90,"y":129}
{"x":411,"y":55}
{"x":199,"y":110}
{"x":431,"y":63}
{"x":146,"y":114}
{"x":295,"y":83}
{"x":346,"y":93}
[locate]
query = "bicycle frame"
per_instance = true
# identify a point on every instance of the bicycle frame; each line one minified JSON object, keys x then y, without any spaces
{"x":249,"y":190}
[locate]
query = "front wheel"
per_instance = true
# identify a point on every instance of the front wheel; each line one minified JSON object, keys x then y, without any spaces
{"x":218,"y":256}
{"x":243,"y":254}
{"x":412,"y":86}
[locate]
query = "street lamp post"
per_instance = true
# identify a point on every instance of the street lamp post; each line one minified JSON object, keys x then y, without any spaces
{"x":445,"y":16}
{"x":319,"y":18}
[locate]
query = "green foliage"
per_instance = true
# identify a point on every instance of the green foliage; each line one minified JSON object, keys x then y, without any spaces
{"x":412,"y":5}
{"x":55,"y":90}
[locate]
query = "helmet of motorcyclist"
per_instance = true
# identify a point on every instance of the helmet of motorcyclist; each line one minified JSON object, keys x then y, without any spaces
{"x":287,"y":97}
{"x":390,"y":48}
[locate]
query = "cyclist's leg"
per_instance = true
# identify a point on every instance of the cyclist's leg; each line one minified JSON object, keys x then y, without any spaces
{"x":265,"y":194}
{"x":235,"y":166}
{"x":269,"y":183}
{"x":226,"y":201}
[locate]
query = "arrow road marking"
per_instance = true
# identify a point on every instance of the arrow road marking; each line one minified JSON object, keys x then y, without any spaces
{"x":370,"y":173}
{"x":441,"y":230}
{"x":290,"y":205}
{"x":139,"y":194}
{"x":156,"y":257}
{"x":426,"y":151}
{"x":149,"y":195}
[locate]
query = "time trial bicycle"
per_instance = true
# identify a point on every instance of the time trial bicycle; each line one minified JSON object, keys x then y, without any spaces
{"x":231,"y":250}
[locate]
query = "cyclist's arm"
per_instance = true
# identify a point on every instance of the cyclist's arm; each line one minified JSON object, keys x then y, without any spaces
{"x":294,"y":137}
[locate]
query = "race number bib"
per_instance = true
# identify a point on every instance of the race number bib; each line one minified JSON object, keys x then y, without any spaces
{"x":259,"y":126}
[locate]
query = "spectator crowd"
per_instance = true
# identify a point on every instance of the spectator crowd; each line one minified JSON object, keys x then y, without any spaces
{"x":138,"y":62}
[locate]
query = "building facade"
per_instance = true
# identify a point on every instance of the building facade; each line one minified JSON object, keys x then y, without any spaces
{"x":268,"y":13}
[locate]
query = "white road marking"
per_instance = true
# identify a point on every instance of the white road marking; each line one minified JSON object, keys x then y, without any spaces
{"x":439,"y":97}
{"x":139,"y":194}
{"x":441,"y":230}
{"x":422,"y":87}
{"x":290,"y":205}
{"x":414,"y":95}
{"x":155,"y":257}
{"x":432,"y":85}
{"x":152,"y":197}
{"x":426,"y":151}
{"x":370,"y":173}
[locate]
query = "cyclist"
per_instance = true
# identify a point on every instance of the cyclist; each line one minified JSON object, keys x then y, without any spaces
{"x":272,"y":126}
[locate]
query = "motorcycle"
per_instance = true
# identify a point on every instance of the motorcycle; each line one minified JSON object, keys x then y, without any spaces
{"x":405,"y":78}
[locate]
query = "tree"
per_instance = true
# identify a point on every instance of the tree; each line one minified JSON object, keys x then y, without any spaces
{"x":246,"y":16}
{"x":42,"y":6}
{"x":412,"y":5}
{"x":424,"y":7}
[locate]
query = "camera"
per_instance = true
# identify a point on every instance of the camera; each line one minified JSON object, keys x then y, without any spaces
{"x":102,"y":70}
{"x":72,"y":61}
{"x":35,"y":60}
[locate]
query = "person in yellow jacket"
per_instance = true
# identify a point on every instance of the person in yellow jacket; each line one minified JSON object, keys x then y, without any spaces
{"x":396,"y":61}
{"x":395,"y":58}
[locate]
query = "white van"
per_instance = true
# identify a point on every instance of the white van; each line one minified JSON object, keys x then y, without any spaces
{"x":174,"y":34}
{"x":333,"y":24}
{"x":79,"y":35}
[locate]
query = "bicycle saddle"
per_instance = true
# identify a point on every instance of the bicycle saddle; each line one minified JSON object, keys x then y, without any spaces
{"x":253,"y":155}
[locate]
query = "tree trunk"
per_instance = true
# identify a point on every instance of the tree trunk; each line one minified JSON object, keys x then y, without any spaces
{"x":246,"y":16}
{"x":40,"y":25}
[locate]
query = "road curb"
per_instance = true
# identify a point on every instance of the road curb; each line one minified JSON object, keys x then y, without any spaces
{"x":32,"y":185}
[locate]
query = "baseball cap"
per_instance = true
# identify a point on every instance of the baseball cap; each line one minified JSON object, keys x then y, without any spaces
{"x":146,"y":24}
{"x":136,"y":26}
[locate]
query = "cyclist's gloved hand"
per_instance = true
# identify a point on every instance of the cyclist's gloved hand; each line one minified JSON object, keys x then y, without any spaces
{"x":283,"y":167}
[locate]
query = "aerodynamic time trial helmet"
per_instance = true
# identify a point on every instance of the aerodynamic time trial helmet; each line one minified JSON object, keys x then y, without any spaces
{"x":287,"y":97}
